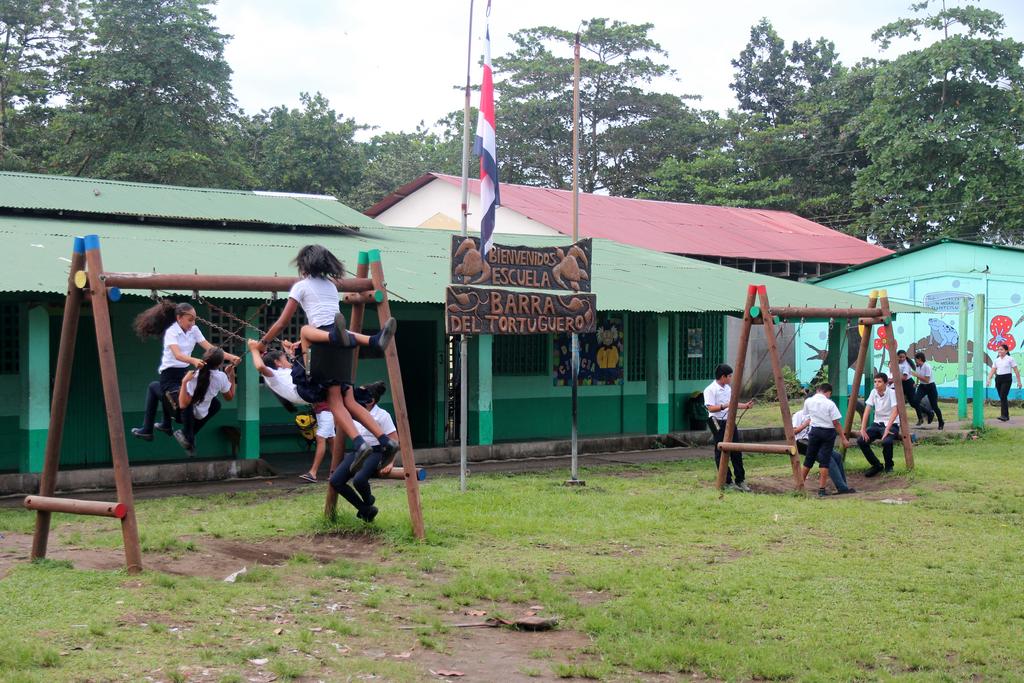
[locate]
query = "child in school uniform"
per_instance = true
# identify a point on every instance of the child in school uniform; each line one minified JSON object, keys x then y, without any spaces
{"x":317,"y":295}
{"x":289,"y":381}
{"x":836,"y":467}
{"x":361,"y":497}
{"x":1002,"y":366}
{"x":825,"y":425}
{"x":716,"y":400}
{"x":910,"y":395}
{"x":176,"y":323}
{"x":926,"y":387}
{"x":885,"y":427}
{"x":197,"y":397}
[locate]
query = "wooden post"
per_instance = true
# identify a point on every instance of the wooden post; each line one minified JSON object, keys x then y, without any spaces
{"x":894,"y":371}
{"x":412,"y":487}
{"x":780,"y":386}
{"x":737,"y":383}
{"x":112,"y":399}
{"x":355,"y":323}
{"x":858,"y":369}
{"x":59,"y":402}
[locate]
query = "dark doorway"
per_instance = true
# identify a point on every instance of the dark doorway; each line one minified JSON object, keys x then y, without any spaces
{"x":417,"y":354}
{"x":86,"y":441}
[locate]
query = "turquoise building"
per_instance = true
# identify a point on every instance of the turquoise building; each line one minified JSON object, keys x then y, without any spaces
{"x":938,"y":276}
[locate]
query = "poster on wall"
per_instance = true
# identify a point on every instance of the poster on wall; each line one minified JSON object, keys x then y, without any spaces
{"x":695,"y":342}
{"x":600,"y":356}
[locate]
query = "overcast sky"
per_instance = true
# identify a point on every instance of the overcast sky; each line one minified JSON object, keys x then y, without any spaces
{"x":393,"y":63}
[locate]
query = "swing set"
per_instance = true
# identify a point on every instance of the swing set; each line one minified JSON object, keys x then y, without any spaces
{"x":758,"y":311}
{"x":89,"y":283}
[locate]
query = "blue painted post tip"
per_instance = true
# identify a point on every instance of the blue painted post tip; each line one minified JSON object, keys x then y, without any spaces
{"x":114,"y":293}
{"x":421,"y":474}
{"x":79,"y":245}
{"x":92,"y":242}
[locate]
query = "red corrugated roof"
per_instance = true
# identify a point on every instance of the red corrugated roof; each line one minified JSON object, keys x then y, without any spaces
{"x":695,"y":229}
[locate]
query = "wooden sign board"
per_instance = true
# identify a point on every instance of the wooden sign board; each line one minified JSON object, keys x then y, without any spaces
{"x":499,"y":311}
{"x":565,"y":268}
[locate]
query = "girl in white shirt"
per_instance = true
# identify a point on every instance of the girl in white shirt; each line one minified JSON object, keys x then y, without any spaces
{"x":176,"y":323}
{"x":197,"y":396}
{"x":1002,"y":366}
{"x":317,"y":294}
{"x":926,"y":386}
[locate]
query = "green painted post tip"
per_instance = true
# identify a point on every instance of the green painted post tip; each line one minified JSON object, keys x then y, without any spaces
{"x":363,"y":258}
{"x":374,"y":255}
{"x":755,"y":311}
{"x":378,"y":296}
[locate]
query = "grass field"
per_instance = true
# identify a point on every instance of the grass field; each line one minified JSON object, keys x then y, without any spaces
{"x":653,"y":574}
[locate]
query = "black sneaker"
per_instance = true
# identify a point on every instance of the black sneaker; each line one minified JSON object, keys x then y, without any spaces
{"x":386,"y":334}
{"x":888,"y":470}
{"x":873,"y":472}
{"x":368,"y":514}
{"x":845,"y":491}
{"x":166,"y":429}
{"x":138,"y":433}
{"x":942,"y":425}
{"x":931,"y":416}
{"x":390,"y":451}
{"x":339,"y":334}
{"x":823,"y":493}
{"x":362,"y":453}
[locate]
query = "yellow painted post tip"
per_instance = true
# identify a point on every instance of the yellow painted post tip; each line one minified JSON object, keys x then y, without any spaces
{"x":874,"y":294}
{"x":884,"y":293}
{"x":81,"y":279}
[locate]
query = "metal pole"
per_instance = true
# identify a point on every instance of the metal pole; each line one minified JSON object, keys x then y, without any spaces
{"x":574,"y":473}
{"x":978,"y":409}
{"x":463,"y":341}
{"x":965,"y":335}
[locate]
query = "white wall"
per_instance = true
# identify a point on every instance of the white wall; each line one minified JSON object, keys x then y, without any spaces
{"x":421,"y":209}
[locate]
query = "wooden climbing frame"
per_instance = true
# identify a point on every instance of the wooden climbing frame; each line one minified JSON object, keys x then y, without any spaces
{"x":89,"y":283}
{"x":758,"y":311}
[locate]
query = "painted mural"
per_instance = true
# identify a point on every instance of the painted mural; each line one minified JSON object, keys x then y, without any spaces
{"x":600,"y":356}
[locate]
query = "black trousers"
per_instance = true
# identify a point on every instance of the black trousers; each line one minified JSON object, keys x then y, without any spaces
{"x":932,"y":393}
{"x":190,"y":424}
{"x":361,"y":498}
{"x":875,"y":431}
{"x":170,"y":380}
{"x":717,"y":428}
{"x":911,"y":397}
{"x":1003,"y":384}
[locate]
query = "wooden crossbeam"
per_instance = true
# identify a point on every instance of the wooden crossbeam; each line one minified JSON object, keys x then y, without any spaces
{"x":76,"y":506}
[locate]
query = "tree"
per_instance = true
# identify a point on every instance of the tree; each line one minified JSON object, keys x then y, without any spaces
{"x":311,"y":150}
{"x":393,"y":159}
{"x":149,"y":97}
{"x":944,"y":133}
{"x":625,"y":131}
{"x":34,"y":35}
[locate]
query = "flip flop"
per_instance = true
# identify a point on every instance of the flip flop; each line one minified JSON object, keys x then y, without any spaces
{"x":306,"y":477}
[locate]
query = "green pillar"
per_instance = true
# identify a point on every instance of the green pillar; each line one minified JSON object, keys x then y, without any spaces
{"x":481,"y":415}
{"x":838,"y":363}
{"x":34,"y":421}
{"x":249,"y":400}
{"x":979,"y":361}
{"x":656,"y":355}
{"x":965,"y":335}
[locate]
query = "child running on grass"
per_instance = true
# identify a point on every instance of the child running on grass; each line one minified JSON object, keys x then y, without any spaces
{"x":290,"y":382}
{"x":177,"y":324}
{"x":197,"y":397}
{"x":317,"y":294}
{"x":361,"y":498}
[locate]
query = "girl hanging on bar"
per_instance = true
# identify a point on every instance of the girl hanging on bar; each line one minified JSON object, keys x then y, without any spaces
{"x":197,"y":396}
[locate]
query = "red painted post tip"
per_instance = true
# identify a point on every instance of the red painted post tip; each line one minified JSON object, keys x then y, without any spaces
{"x":120,"y":510}
{"x":762,"y":289}
{"x":751,"y":289}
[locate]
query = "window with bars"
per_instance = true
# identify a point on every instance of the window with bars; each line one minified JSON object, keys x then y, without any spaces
{"x":701,"y":344}
{"x":292,"y":330}
{"x":636,"y":348}
{"x":10,"y":356}
{"x":220,"y":316}
{"x":520,"y":355}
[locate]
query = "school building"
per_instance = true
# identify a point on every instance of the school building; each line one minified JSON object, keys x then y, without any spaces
{"x":661,"y":323}
{"x":938,"y":276}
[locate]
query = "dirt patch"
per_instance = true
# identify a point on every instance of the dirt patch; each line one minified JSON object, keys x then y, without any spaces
{"x":873,"y":488}
{"x":212,"y":558}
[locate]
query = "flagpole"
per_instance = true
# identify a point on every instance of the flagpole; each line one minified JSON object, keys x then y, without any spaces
{"x":463,"y":340}
{"x":574,"y":470}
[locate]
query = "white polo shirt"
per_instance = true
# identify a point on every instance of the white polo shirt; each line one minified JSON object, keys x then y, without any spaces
{"x":799,"y":417}
{"x":219,"y":382}
{"x":884,"y":405}
{"x":717,"y":395}
{"x":905,"y":370}
{"x":282,"y":384}
{"x":383,"y":420}
{"x":185,"y":341}
{"x":319,"y":299}
{"x":927,"y":376}
{"x":1004,"y":365}
{"x":822,"y":411}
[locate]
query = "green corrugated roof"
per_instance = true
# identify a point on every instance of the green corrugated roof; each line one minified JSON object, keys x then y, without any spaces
{"x":415,"y":263}
{"x":46,"y":193}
